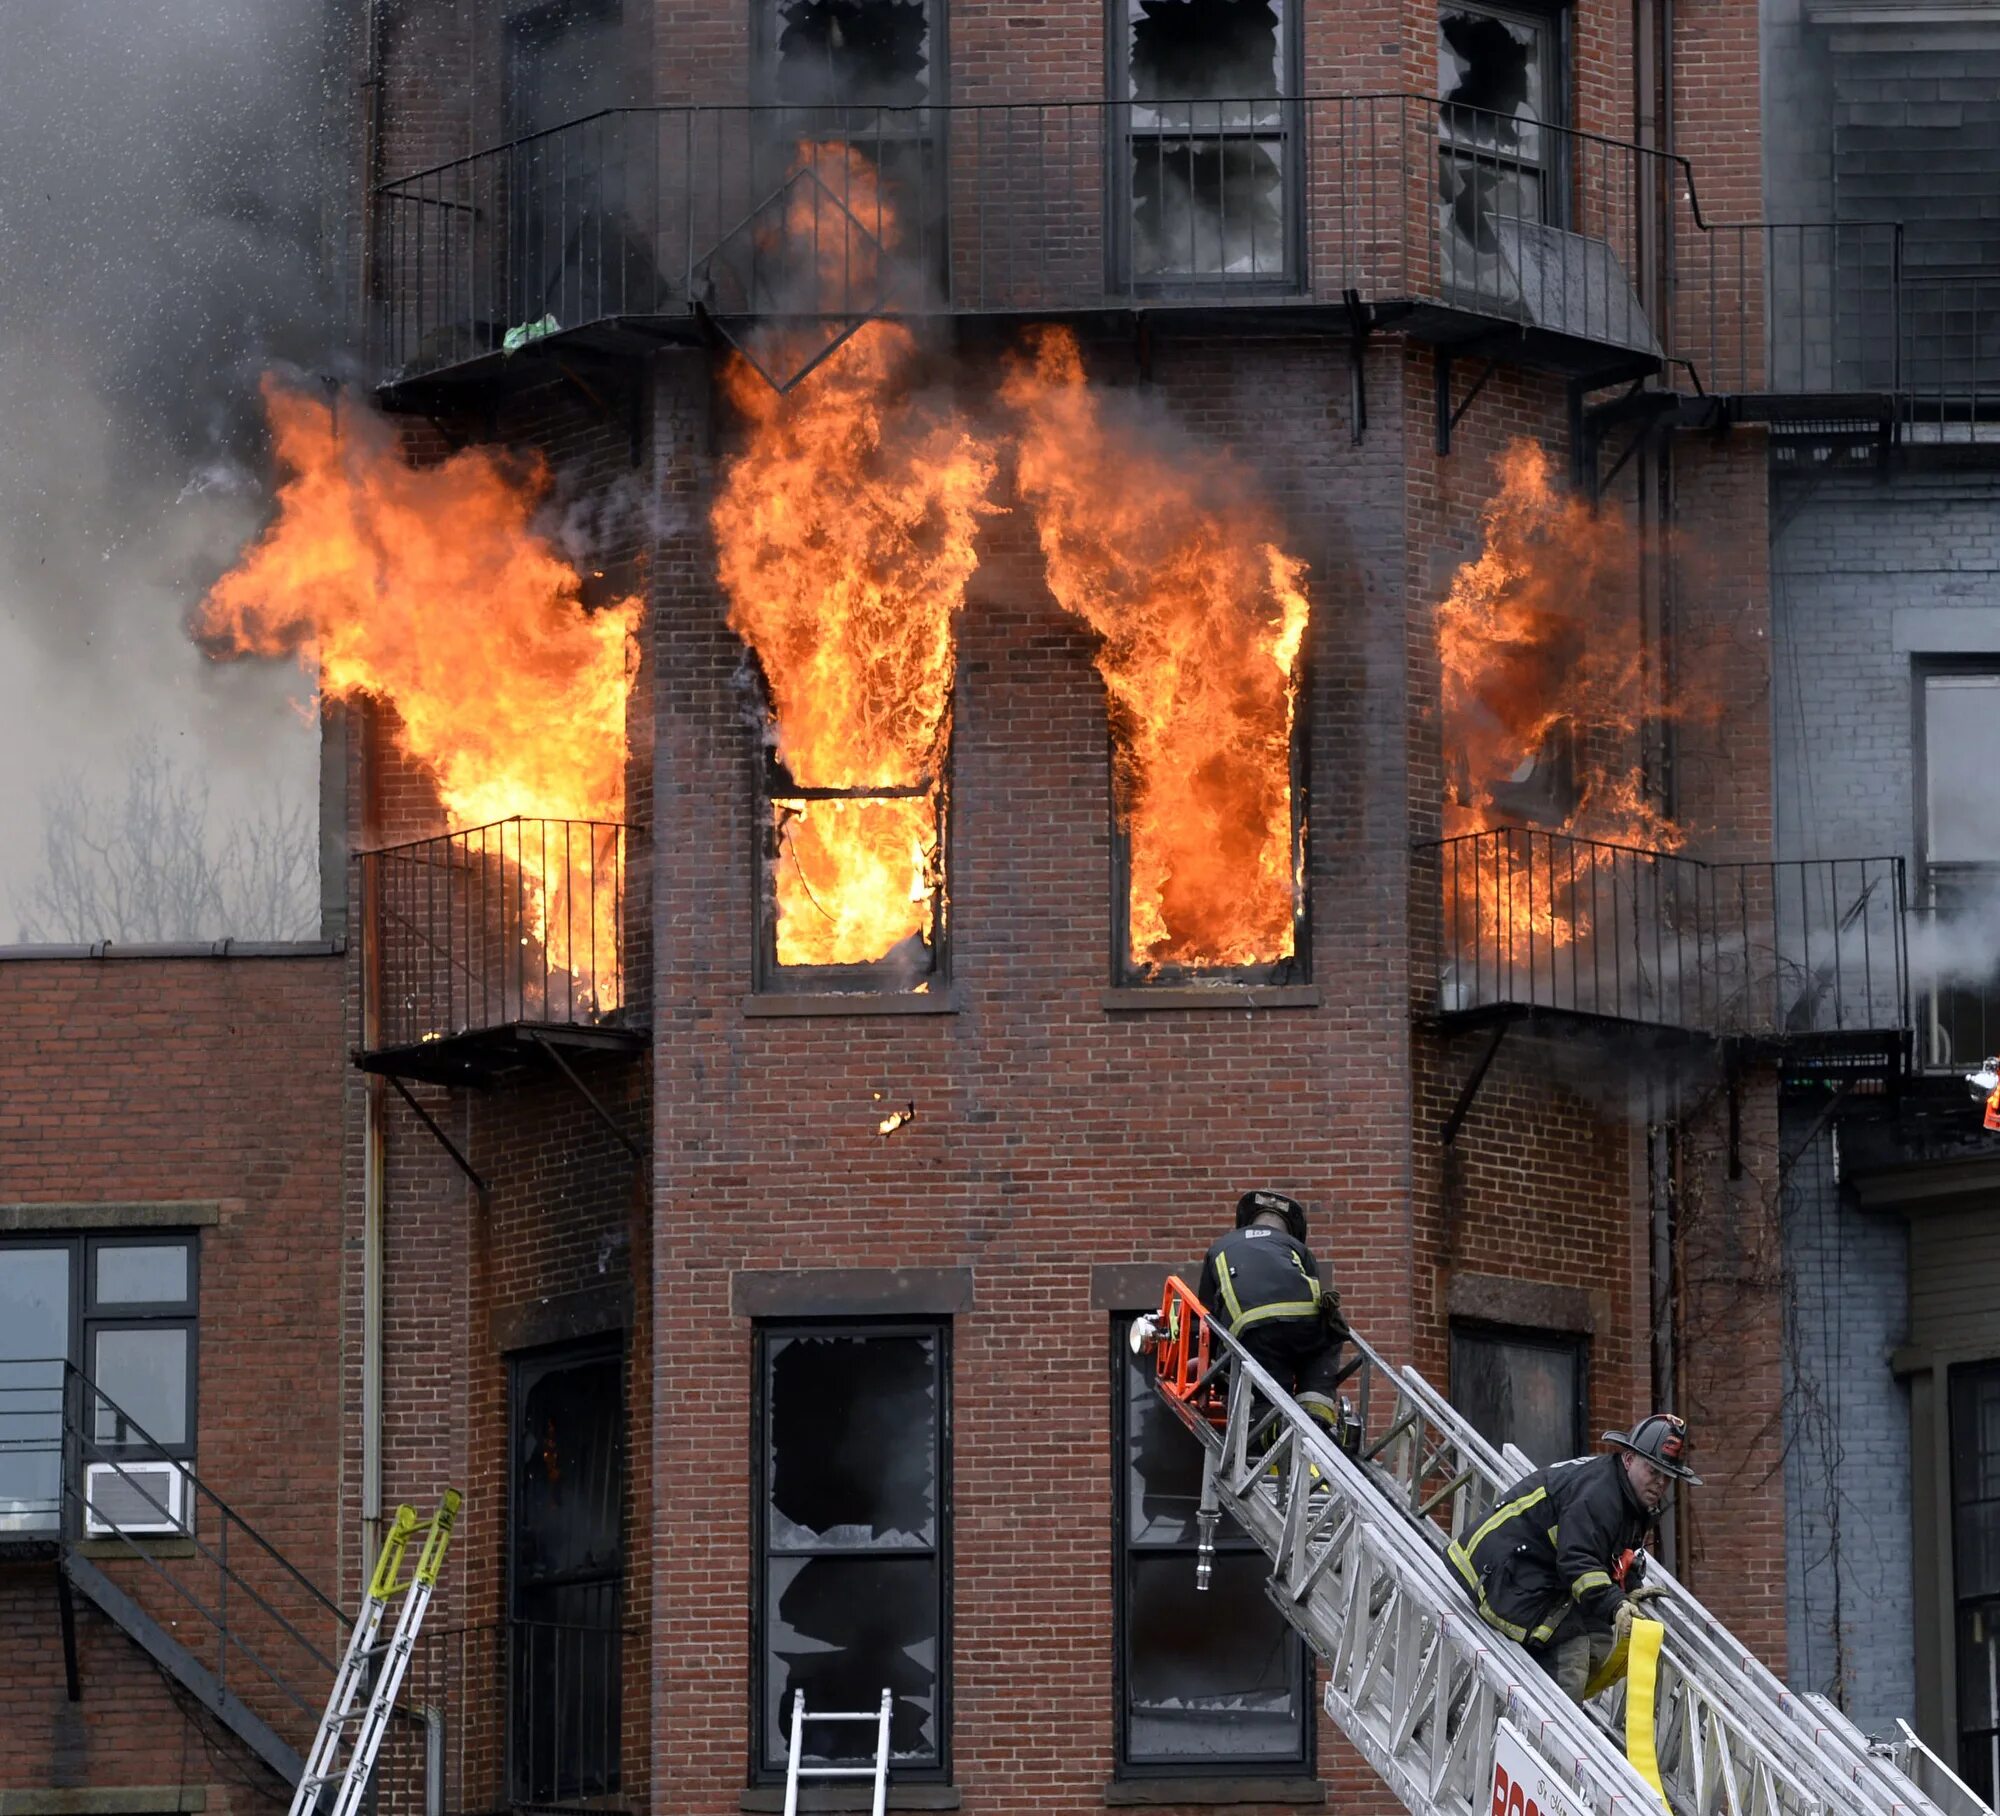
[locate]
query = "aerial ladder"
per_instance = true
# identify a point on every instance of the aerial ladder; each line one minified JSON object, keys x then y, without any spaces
{"x":1437,"y":1702}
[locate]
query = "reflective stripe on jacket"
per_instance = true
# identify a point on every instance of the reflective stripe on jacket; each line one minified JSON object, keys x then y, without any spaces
{"x":1551,"y":1545}
{"x":1259,"y":1276}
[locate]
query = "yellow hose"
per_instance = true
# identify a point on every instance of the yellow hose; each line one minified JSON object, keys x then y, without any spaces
{"x":1642,"y":1673}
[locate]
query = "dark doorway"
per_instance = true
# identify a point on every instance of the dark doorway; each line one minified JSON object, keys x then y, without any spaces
{"x":566,"y":1564}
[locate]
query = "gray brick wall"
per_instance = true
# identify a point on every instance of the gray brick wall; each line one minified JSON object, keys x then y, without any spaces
{"x":1847,"y":1444}
{"x":1867,"y":576}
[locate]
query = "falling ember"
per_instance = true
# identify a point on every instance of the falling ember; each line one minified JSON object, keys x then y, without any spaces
{"x":1538,"y":646}
{"x":845,"y":535}
{"x":1199,"y":617}
{"x":428,"y":588}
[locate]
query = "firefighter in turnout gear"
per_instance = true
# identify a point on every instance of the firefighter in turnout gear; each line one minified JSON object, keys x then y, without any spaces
{"x":1552,"y":1565}
{"x":1260,"y":1284}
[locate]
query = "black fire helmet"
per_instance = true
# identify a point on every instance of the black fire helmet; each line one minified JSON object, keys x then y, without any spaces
{"x":1662,"y":1439}
{"x":1253,"y":1205}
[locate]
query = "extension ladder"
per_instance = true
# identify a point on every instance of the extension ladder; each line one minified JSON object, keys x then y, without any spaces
{"x":321,"y":1768}
{"x":1422,"y":1686}
{"x":879,"y":1771}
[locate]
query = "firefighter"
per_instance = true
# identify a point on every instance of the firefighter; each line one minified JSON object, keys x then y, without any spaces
{"x":1552,"y":1564}
{"x":1260,"y":1283}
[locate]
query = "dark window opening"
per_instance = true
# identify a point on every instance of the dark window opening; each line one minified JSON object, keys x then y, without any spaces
{"x":871,"y":53}
{"x":1959,"y":893}
{"x":1540,"y":790}
{"x":853,"y":1533}
{"x":1498,"y":90}
{"x":1209,"y":179}
{"x":564,"y":1640}
{"x":123,"y":1308}
{"x":1208,"y":1681}
{"x":852,"y":893}
{"x":1975,"y":1507}
{"x":1526,"y":1388}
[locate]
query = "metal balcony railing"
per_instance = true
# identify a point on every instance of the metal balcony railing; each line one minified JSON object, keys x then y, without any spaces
{"x":1793,"y":951}
{"x":516,"y":924}
{"x":834,"y":214}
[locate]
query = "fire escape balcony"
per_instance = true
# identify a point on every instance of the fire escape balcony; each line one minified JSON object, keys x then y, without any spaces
{"x":491,"y":950}
{"x":1341,"y":214}
{"x":1802,"y":961}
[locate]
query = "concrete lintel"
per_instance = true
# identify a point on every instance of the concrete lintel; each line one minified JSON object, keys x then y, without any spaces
{"x":850,"y":1292}
{"x":1945,"y":630}
{"x":593,"y":1311}
{"x":1531,"y":1304}
{"x":152,"y":1214}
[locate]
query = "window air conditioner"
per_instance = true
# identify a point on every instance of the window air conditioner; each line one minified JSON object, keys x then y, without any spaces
{"x":126,"y":1499}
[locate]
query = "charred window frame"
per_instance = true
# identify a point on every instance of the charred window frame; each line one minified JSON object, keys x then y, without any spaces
{"x":838,"y":1434}
{"x":1207,"y":145}
{"x":1178,"y":1650}
{"x":913,"y":967}
{"x":1503,"y":79}
{"x":1128,"y":972}
{"x":1957,"y":710}
{"x":130,"y":1322}
{"x":1525,"y":1387}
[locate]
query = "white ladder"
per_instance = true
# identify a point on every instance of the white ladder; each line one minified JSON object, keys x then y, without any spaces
{"x":1414,"y":1678}
{"x":795,"y":1770}
{"x":324,"y":1765}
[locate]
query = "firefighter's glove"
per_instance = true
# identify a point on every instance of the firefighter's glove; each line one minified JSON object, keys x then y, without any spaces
{"x":1643,"y":1598}
{"x":1621,"y":1625}
{"x":1330,"y":1319}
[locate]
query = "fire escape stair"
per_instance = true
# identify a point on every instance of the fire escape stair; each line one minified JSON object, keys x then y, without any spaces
{"x":174,"y":1659}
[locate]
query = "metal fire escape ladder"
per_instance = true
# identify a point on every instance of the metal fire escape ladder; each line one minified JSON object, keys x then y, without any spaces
{"x":1414,"y":1678}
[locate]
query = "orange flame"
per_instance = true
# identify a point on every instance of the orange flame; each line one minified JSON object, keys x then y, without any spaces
{"x":429,"y":588}
{"x":1200,"y":617}
{"x":1538,"y":641}
{"x":845,"y":534}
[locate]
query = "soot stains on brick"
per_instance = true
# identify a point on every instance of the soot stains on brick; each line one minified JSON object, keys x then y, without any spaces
{"x":873,"y":52}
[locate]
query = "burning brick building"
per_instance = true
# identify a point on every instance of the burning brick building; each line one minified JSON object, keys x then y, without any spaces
{"x":1166,"y":599}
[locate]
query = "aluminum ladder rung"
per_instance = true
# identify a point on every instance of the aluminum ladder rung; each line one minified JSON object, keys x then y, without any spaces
{"x":797,"y":1770}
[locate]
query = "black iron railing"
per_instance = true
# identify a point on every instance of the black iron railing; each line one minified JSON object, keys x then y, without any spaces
{"x":1789,"y":950}
{"x":831,"y":214}
{"x":75,"y":1466}
{"x":516,"y":923}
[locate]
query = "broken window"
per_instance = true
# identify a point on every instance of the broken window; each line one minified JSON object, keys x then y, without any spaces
{"x":1959,"y":713}
{"x":854,"y":1527}
{"x":1209,"y":1679}
{"x":1498,"y":91}
{"x":1526,"y":1388}
{"x":853,"y":895}
{"x":867,"y":53}
{"x":1209,"y":140}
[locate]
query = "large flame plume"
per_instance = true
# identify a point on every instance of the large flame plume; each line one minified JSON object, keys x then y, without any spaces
{"x":1539,"y":646}
{"x":1199,"y":617}
{"x":429,"y":588}
{"x":845,"y":532}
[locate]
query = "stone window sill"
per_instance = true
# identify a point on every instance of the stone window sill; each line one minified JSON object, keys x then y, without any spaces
{"x":851,"y":1002}
{"x":858,"y":1794}
{"x":1213,"y":996}
{"x":163,"y":1544}
{"x":1160,"y":1793}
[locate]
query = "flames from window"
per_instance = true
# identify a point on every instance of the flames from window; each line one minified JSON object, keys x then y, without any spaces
{"x":430,"y":589}
{"x":1199,"y":616}
{"x":1541,"y":658}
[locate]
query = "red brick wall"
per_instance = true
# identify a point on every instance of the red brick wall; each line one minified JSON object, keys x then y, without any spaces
{"x":188,"y":1080}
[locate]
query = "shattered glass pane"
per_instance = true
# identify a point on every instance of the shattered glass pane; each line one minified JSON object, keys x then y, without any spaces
{"x":1227,"y":53}
{"x":1215,"y":1674}
{"x":853,"y":52}
{"x":1162,"y":1470}
{"x":844,"y":1629}
{"x":1490,"y":75}
{"x":1207,"y":205}
{"x":853,"y":1442}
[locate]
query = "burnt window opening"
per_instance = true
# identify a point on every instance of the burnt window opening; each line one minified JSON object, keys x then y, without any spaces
{"x":1209,"y":179}
{"x":1543,"y":789}
{"x":1499,"y":90}
{"x":1207,"y":1681}
{"x":834,"y":53}
{"x":1528,"y":1388}
{"x":1138,"y":962}
{"x":853,"y":1533}
{"x":852,"y":891}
